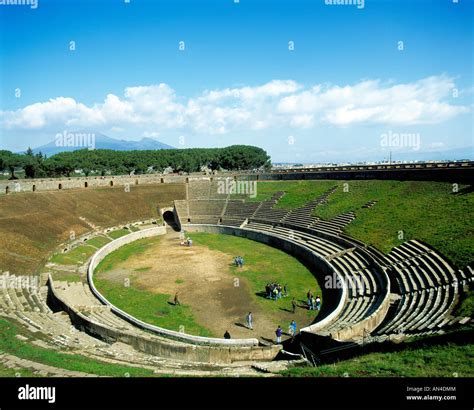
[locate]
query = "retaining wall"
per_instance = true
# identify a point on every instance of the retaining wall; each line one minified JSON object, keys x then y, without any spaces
{"x":159,"y":346}
{"x":54,"y":184}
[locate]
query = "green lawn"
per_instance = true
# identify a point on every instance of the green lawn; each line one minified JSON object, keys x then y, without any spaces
{"x":466,"y":305}
{"x":118,"y":233}
{"x":298,"y":193}
{"x":124,"y":252}
{"x":76,"y":256}
{"x":98,"y":241}
{"x":154,"y":308}
{"x":7,"y":372}
{"x":430,"y":361}
{"x":67,"y":276}
{"x":12,"y":345}
{"x":428,"y":211}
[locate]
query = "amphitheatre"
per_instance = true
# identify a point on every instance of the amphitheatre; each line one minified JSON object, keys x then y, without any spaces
{"x":389,"y":251}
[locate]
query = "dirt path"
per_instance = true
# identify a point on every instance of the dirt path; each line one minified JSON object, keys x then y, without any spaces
{"x":204,"y":281}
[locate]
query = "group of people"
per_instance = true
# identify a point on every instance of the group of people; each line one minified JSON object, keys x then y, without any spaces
{"x":313,"y":303}
{"x":275,"y":291}
{"x":239,"y":261}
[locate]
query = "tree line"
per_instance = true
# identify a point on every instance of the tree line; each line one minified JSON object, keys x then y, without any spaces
{"x":106,"y":161}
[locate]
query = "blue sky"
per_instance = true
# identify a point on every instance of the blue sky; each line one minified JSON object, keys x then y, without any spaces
{"x":346,"y":84}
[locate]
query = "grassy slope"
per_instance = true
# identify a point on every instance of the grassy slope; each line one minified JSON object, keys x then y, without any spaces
{"x":428,"y":361}
{"x":12,"y":345}
{"x":78,"y":255}
{"x":298,"y":192}
{"x":33,"y":224}
{"x":466,"y":305}
{"x":428,"y":211}
{"x":98,"y":241}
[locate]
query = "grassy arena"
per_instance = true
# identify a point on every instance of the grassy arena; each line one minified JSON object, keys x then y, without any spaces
{"x":232,"y":293}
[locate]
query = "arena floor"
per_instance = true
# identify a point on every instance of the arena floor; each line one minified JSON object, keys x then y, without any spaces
{"x":206,"y":282}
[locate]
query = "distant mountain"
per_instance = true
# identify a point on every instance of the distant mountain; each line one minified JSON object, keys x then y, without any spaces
{"x":93,"y":140}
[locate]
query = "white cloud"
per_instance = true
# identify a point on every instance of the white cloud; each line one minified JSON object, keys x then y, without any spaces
{"x":150,"y":134}
{"x":278,"y":103}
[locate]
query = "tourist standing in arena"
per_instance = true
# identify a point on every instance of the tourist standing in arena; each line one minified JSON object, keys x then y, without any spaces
{"x":278,"y":333}
{"x":318,"y":303}
{"x":249,"y":321}
{"x":309,"y":295}
{"x":293,"y":305}
{"x":292,"y":329}
{"x":176,"y":300}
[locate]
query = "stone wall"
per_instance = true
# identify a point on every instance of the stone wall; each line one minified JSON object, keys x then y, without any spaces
{"x":458,"y":175}
{"x":54,"y":184}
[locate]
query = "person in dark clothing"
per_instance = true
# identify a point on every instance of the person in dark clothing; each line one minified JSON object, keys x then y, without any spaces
{"x":226,"y":335}
{"x":278,"y":333}
{"x":293,"y":305}
{"x":176,"y":300}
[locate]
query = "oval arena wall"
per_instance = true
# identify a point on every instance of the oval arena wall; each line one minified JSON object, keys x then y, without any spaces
{"x":334,"y":298}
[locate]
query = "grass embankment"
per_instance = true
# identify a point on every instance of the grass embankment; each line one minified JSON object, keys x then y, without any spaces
{"x":9,"y":343}
{"x":298,"y":193}
{"x":466,"y":305}
{"x":447,"y":360}
{"x":118,"y":233}
{"x":429,"y":211}
{"x":75,"y":256}
{"x":98,"y":241}
{"x":33,"y":224}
